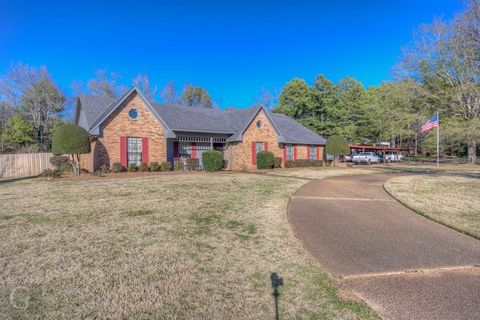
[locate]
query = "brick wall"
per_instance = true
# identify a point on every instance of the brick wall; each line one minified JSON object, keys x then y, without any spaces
{"x":107,"y":147}
{"x":242,"y":152}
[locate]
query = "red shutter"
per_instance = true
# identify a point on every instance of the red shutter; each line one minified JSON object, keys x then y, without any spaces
{"x":194,"y":150}
{"x":284,"y":154}
{"x":308,"y":152}
{"x":254,"y":153}
{"x":145,"y":151}
{"x":123,"y":151}
{"x":318,"y":152}
{"x":266,"y":145}
{"x":294,"y":152}
{"x":175,"y":149}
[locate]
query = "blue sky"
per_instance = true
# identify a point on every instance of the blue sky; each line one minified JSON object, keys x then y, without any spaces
{"x":231,"y":48}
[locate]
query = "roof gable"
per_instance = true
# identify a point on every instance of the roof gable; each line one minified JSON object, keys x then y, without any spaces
{"x":95,"y":127}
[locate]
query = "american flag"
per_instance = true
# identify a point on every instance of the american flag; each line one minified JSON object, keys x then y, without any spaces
{"x":430,"y":124}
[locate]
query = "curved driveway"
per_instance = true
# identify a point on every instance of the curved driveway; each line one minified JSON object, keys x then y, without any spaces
{"x":404,"y":265}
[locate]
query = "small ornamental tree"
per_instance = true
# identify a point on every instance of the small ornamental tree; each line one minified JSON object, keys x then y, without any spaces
{"x":337,"y":146}
{"x":71,"y":140}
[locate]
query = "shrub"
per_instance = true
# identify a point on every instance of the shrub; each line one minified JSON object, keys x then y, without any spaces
{"x":277,"y":162}
{"x":178,"y":166}
{"x":166,"y":166}
{"x":192,"y":164}
{"x":62,"y":163}
{"x":117,"y":167}
{"x":265,"y":160}
{"x":318,"y":163}
{"x":132,"y":167}
{"x":154,"y":167}
{"x":98,"y":173}
{"x":51,"y":173}
{"x":65,"y":167}
{"x":104,"y":168}
{"x":212,"y":160}
{"x":73,"y":140}
{"x":143,"y":167}
{"x":57,"y":161}
{"x":303,"y":163}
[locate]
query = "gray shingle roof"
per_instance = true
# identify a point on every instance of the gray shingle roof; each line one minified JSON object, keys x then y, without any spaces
{"x":294,"y":132}
{"x":232,"y":121}
{"x":94,"y":107}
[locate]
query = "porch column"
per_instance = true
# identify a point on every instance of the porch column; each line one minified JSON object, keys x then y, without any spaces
{"x":211,"y":143}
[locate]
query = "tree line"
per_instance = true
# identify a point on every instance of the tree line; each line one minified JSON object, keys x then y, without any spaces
{"x":31,"y":104}
{"x":440,"y":72}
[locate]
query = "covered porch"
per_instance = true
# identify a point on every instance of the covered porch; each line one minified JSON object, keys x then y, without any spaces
{"x":187,"y":149}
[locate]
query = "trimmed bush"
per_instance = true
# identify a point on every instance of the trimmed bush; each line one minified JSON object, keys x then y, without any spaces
{"x":117,"y":167}
{"x":166,"y":166}
{"x":265,"y":160}
{"x":132,"y":167}
{"x":303,"y":163}
{"x":143,"y":167}
{"x":277,"y":162}
{"x":154,"y":167}
{"x":212,"y":160}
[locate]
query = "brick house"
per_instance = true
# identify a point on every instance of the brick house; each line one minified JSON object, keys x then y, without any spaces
{"x":133,"y":130}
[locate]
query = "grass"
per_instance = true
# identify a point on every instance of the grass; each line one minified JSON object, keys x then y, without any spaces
{"x":451,"y":199}
{"x":185,"y":246}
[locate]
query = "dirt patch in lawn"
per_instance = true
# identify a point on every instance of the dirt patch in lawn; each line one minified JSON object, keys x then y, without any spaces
{"x":451,"y":199}
{"x":189,"y":246}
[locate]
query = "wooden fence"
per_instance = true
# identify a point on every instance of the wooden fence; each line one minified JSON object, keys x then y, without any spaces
{"x":23,"y":164}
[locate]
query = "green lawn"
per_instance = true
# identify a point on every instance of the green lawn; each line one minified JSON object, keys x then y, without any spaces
{"x":188,"y":246}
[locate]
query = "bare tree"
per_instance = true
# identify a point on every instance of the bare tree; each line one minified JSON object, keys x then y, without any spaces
{"x":266,"y":99}
{"x":142,"y":82}
{"x":106,"y":84}
{"x":445,"y":59}
{"x":32,"y":91}
{"x":169,"y":94}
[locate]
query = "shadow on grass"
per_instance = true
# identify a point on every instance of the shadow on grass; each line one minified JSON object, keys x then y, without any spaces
{"x":9,"y":180}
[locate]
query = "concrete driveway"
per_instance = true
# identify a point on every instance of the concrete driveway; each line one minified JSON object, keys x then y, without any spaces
{"x":404,"y":265}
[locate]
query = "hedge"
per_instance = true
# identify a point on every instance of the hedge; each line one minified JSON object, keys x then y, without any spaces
{"x":265,"y":160}
{"x":212,"y":160}
{"x":301,"y":163}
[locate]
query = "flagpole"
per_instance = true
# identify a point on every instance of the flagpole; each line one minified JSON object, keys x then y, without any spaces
{"x":438,"y":140}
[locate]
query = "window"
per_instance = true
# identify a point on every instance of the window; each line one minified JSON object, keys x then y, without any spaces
{"x":259,"y":147}
{"x":313,"y":152}
{"x":133,"y":113}
{"x":259,"y":123}
{"x":134,"y":151}
{"x":289,"y":152}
